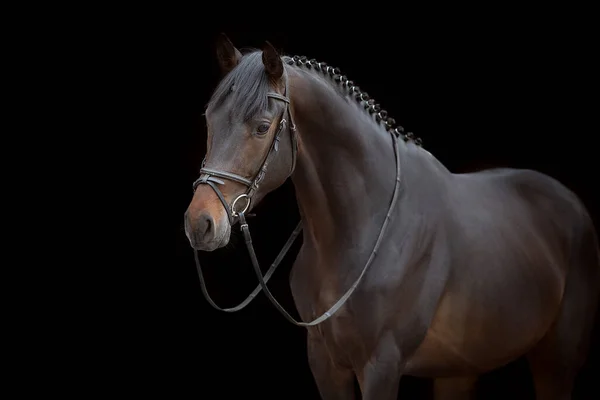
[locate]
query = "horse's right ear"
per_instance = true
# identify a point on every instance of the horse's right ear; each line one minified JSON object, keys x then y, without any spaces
{"x":227,"y":54}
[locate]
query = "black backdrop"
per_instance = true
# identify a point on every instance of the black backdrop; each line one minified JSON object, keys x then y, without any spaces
{"x":479,"y":96}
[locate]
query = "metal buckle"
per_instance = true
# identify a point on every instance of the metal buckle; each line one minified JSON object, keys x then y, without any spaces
{"x":241,"y":196}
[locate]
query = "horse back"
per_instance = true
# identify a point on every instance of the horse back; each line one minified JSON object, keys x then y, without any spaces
{"x":522,"y":209}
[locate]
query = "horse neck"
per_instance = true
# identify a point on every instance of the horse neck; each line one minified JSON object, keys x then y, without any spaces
{"x":345,"y":172}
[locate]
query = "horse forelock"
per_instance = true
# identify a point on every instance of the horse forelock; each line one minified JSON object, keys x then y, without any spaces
{"x":246,"y":86}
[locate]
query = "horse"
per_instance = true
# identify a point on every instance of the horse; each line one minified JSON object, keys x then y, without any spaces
{"x":405,"y":268}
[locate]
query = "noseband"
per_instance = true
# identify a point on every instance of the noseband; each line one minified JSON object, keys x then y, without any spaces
{"x":211,"y":177}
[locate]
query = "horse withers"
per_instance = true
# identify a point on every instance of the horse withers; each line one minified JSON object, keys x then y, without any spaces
{"x":405,"y":267}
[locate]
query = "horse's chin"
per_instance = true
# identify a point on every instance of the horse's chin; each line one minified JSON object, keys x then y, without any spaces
{"x":211,"y":246}
{"x":217,"y":243}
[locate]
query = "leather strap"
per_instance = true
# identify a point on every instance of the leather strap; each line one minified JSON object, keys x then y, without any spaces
{"x":226,"y":175}
{"x":258,"y":288}
{"x":335,"y":307}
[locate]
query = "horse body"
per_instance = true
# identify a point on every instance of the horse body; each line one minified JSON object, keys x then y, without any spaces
{"x":507,"y":274}
{"x":471,"y":275}
{"x":475,"y":270}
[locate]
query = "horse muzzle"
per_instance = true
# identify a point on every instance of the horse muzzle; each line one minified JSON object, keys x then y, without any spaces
{"x":207,"y":232}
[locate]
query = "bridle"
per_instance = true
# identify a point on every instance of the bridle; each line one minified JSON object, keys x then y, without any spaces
{"x":211,"y":177}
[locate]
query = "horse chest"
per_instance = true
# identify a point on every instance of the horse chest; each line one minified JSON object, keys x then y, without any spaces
{"x":341,"y":337}
{"x":340,"y":332}
{"x":341,"y":328}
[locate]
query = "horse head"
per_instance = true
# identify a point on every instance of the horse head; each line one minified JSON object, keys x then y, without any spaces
{"x":250,"y":130}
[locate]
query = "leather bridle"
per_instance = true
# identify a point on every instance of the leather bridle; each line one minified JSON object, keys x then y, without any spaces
{"x":211,"y":177}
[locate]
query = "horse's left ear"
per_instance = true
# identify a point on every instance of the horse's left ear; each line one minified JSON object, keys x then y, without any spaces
{"x":272,"y":61}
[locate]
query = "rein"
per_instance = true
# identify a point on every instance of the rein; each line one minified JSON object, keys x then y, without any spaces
{"x":210,"y":177}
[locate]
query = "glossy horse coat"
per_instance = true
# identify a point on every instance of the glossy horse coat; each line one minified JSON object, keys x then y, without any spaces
{"x":473,"y":271}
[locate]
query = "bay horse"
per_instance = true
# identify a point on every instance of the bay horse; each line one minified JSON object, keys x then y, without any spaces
{"x":405,"y":267}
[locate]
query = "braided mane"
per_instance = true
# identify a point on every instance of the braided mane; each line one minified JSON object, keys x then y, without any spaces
{"x":352,"y":90}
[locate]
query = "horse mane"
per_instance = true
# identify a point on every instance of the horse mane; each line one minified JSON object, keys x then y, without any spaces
{"x":248,"y":85}
{"x":350,"y":89}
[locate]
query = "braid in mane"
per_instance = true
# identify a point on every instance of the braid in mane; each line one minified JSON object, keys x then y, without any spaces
{"x":354,"y":91}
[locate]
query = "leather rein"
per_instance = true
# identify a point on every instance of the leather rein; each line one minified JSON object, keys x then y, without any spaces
{"x":212,"y":177}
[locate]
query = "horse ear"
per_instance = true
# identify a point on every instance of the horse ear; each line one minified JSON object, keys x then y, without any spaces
{"x":227,"y":54}
{"x":272,"y":61}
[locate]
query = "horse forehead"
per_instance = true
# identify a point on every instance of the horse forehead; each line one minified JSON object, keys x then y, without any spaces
{"x":222,"y":127}
{"x":226,"y":135}
{"x":219,"y":115}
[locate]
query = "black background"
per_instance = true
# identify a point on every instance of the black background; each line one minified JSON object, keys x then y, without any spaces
{"x":509,"y":93}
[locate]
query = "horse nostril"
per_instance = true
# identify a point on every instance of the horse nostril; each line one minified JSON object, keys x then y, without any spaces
{"x":208,"y":224}
{"x":205,"y":226}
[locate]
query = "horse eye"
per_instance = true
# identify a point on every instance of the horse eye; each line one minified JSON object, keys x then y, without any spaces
{"x":263,"y":128}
